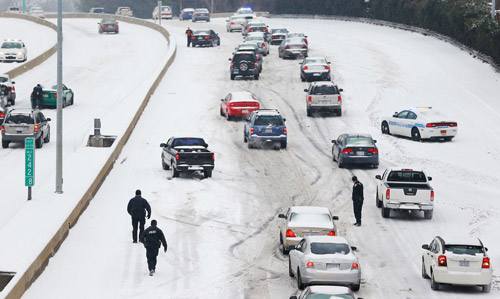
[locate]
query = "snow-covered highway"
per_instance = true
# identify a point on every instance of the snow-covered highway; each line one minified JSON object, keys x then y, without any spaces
{"x":223,"y":231}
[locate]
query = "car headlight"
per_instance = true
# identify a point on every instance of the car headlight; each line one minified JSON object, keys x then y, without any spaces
{"x":19,"y":53}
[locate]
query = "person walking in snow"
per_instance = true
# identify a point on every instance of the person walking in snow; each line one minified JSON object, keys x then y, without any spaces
{"x":37,"y":96}
{"x":189,"y":33}
{"x":153,"y":238}
{"x":137,"y":208}
{"x":357,"y":199}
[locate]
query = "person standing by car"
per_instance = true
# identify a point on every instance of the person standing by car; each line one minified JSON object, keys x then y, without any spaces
{"x":153,"y":238}
{"x":357,"y":199}
{"x":137,"y":208}
{"x":37,"y":96}
{"x":189,"y":33}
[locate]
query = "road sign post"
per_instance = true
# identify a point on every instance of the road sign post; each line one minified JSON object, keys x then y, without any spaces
{"x":29,"y":170}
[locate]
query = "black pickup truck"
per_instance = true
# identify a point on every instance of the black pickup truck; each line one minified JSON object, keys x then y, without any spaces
{"x":187,"y":154}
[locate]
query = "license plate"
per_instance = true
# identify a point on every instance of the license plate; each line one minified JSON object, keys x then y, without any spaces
{"x":235,"y":71}
{"x":360,"y":153}
{"x":464,"y":263}
{"x":45,"y":95}
{"x":317,"y":74}
{"x":332,"y":266}
{"x":325,"y":102}
{"x":443,"y":132}
{"x":110,"y":26}
{"x":19,"y":129}
{"x":269,"y":130}
{"x":244,"y":111}
{"x":200,"y":37}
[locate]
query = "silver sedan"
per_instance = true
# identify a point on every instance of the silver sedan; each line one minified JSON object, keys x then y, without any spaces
{"x":235,"y":23}
{"x":293,"y":47}
{"x":324,"y":260}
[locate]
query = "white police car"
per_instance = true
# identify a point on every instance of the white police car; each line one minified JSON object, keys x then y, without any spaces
{"x":420,"y":123}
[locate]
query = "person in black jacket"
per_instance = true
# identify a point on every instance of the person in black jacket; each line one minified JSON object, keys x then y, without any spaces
{"x":357,"y":199}
{"x":137,"y":208}
{"x":37,"y":97}
{"x":153,"y":238}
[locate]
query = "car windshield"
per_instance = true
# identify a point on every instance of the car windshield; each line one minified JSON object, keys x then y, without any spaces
{"x":329,"y":296}
{"x":3,"y":79}
{"x":464,"y":249}
{"x":201,"y":10}
{"x":14,"y":9}
{"x":359,"y":141}
{"x":315,"y":61}
{"x":407,"y":176}
{"x":166,"y":8}
{"x":296,"y":35}
{"x":294,"y":40}
{"x":329,"y":248}
{"x":98,"y":10}
{"x":310,"y":217}
{"x":325,"y":89}
{"x":188,"y":142}
{"x":19,"y":119}
{"x":245,"y":11}
{"x":11,"y":45}
{"x":268,"y":120}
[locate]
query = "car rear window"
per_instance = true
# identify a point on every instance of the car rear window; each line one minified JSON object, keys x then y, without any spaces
{"x":108,"y":21}
{"x":266,"y":120}
{"x":206,"y":32}
{"x":354,"y":141}
{"x":325,"y":89}
{"x":279,"y":31}
{"x":3,"y":79}
{"x":188,"y":142}
{"x":310,"y":217}
{"x":314,"y":60}
{"x":329,"y":248}
{"x":242,"y":57}
{"x":98,"y":10}
{"x":464,"y":249}
{"x":19,"y":119}
{"x":407,"y":176}
{"x":14,"y":9}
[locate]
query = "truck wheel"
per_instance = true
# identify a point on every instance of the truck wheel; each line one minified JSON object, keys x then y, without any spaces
{"x":232,"y":77}
{"x":385,"y":128}
{"x":283,"y":144}
{"x":47,"y":138}
{"x":207,"y":173}
{"x":415,"y":134}
{"x":175,"y":172}
{"x":434,"y":285}
{"x":5,"y":143}
{"x":290,"y":272}
{"x":487,"y":288}
{"x":385,"y":212}
{"x":355,"y":287}
{"x":339,"y":112}
{"x":428,"y":214}
{"x":256,"y":76}
{"x":164,"y":165}
{"x":377,"y":202}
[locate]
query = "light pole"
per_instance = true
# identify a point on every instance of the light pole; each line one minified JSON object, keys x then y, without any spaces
{"x":59,"y":165}
{"x":493,"y":7}
{"x":159,"y":13}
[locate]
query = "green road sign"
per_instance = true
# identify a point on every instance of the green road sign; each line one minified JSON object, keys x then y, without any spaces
{"x":29,"y":172}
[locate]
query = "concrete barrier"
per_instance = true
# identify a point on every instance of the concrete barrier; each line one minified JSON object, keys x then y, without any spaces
{"x":38,"y":265}
{"x":40,"y":58}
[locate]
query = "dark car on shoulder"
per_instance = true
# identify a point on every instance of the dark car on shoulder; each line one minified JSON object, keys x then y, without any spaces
{"x":355,"y":149}
{"x":252,"y":47}
{"x":108,"y":25}
{"x":187,"y":154}
{"x":205,"y":37}
{"x":245,"y":64}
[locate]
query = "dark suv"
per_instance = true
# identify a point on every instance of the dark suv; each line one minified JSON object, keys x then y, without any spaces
{"x":244,"y":63}
{"x":252,"y":47}
{"x":22,"y":123}
{"x":265,"y":126}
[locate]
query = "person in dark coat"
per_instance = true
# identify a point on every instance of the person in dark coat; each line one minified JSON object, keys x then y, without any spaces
{"x":153,"y":238}
{"x":137,"y":208}
{"x":37,"y":96}
{"x":189,"y":33}
{"x":357,"y":199}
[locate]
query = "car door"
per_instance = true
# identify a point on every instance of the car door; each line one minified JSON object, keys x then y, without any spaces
{"x":409,"y":122}
{"x":380,"y":186}
{"x":427,"y":256}
{"x":284,"y":224}
{"x":296,"y":256}
{"x":44,"y":124}
{"x":226,"y":103}
{"x":338,"y":146}
{"x":397,"y":121}
{"x":433,"y":254}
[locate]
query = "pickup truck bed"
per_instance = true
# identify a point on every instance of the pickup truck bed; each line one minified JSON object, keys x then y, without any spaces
{"x":187,"y":155}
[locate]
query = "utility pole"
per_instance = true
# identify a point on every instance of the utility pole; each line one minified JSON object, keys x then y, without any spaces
{"x":493,"y":7}
{"x":212,"y":6}
{"x":59,"y":161}
{"x":159,"y":13}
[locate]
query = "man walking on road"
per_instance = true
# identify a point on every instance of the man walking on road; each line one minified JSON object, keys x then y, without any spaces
{"x":137,"y":208}
{"x":152,"y":238}
{"x":189,"y":33}
{"x":37,"y":96}
{"x":357,"y":199}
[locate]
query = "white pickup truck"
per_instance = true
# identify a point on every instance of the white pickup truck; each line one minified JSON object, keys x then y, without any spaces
{"x":404,"y":189}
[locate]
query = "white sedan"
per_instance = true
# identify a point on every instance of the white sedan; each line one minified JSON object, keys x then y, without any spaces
{"x":420,"y":123}
{"x":324,"y":260}
{"x":259,"y":39}
{"x":13,"y":50}
{"x":461,"y":261}
{"x":235,"y":23}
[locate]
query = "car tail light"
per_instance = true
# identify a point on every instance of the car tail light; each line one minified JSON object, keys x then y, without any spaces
{"x":354,"y":266}
{"x":55,"y":96}
{"x":304,"y":47}
{"x":327,"y":67}
{"x":432,"y":195}
{"x":442,"y":261}
{"x":486,"y":263}
{"x":36,"y":128}
{"x":213,"y":156}
{"x":373,"y":151}
{"x":31,"y":94}
{"x":388,"y":194}
{"x":116,"y":25}
{"x":192,"y":37}
{"x":102,"y":26}
{"x":207,"y":37}
{"x":310,"y":265}
{"x":263,"y":45}
{"x":196,"y":15}
{"x":309,"y":99}
{"x":3,"y":128}
{"x":255,"y":64}
{"x":251,"y":131}
{"x":232,"y":64}
{"x":2,"y":115}
{"x":265,"y":30}
{"x":305,"y":40}
{"x":177,"y":157}
{"x":347,"y":151}
{"x":331,"y":233}
{"x":257,"y":56}
{"x":305,"y":68}
{"x":287,"y":47}
{"x":339,"y":99}
{"x":232,"y":23}
{"x":208,"y":15}
{"x":432,"y":125}
{"x":290,"y":234}
{"x":12,"y":88}
{"x":284,"y":131}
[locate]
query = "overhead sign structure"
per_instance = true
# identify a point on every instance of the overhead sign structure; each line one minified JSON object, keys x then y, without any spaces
{"x":29,"y":170}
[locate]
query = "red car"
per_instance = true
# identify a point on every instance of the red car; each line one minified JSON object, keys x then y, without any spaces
{"x":238,"y":104}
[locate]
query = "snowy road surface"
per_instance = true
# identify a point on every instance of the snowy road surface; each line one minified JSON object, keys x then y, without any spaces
{"x":109,"y":77}
{"x":223,"y":231}
{"x":37,"y":38}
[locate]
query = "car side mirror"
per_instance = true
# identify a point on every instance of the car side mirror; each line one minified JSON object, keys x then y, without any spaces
{"x":378,"y":177}
{"x":329,"y":62}
{"x":162,"y":144}
{"x":335,"y":217}
{"x":284,"y":119}
{"x":354,"y":248}
{"x":395,"y":114}
{"x":486,"y":248}
{"x":292,"y":247}
{"x":334,"y":141}
{"x":282,"y":216}
{"x":13,"y":82}
{"x":229,"y":59}
{"x":205,"y":145}
{"x":425,"y":246}
{"x":341,"y":90}
{"x":374,"y":141}
{"x":222,"y":100}
{"x":48,"y":119}
{"x":429,"y":178}
{"x":306,"y":90}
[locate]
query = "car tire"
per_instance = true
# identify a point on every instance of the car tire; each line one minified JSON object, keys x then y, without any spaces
{"x":378,"y":203}
{"x":232,"y":77}
{"x":245,"y":138}
{"x":309,"y":113}
{"x":428,"y":214}
{"x":341,"y":165}
{"x":207,"y":173}
{"x":164,"y":165}
{"x":445,"y":138}
{"x":385,"y":128}
{"x":300,"y":284}
{"x":415,"y":134}
{"x":39,"y":142}
{"x":47,"y":138}
{"x":72,"y":99}
{"x":5,"y":143}
{"x":386,"y":212}
{"x":221,"y":112}
{"x":487,"y":288}
{"x":256,"y":76}
{"x":333,"y":157}
{"x":424,"y":273}
{"x":355,"y":287}
{"x":290,"y":272}
{"x":302,"y":79}
{"x":175,"y":172}
{"x":434,"y":285}
{"x":228,"y":117}
{"x":250,"y":145}
{"x":218,"y":42}
{"x":339,"y":112}
{"x":283,"y":144}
